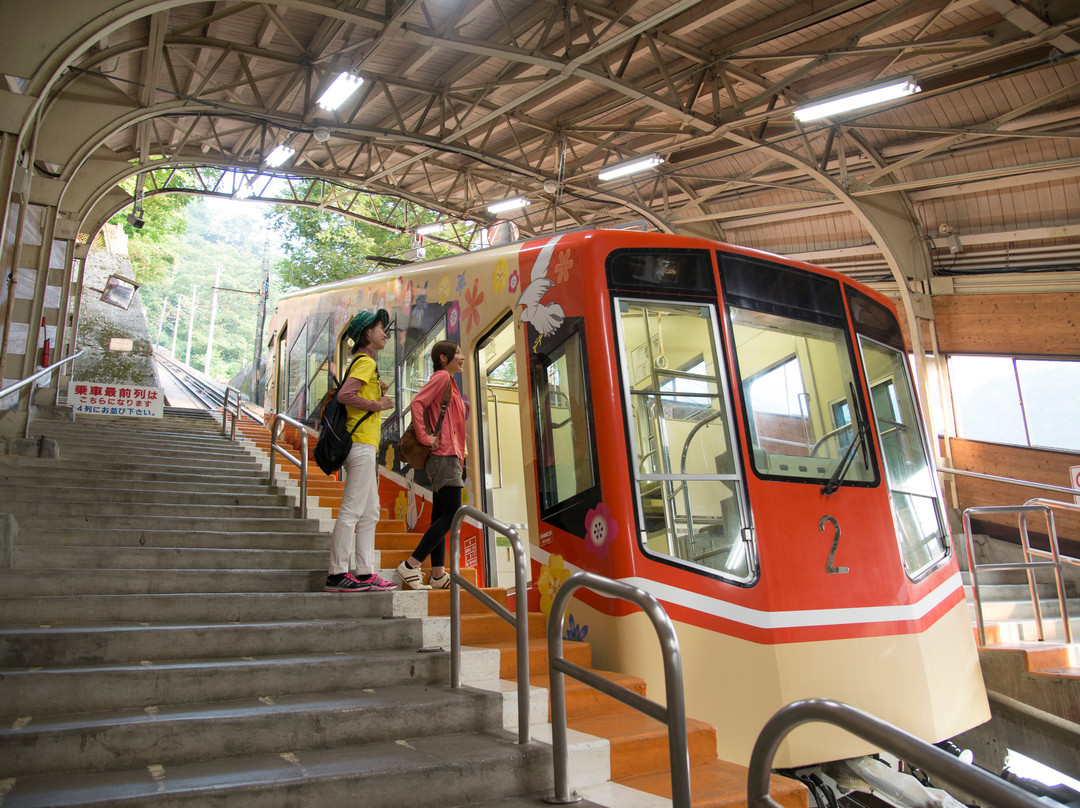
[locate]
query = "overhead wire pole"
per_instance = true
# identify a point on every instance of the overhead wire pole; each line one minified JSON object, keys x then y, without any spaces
{"x":213,"y":316}
{"x":264,"y":294}
{"x":175,"y":328}
{"x":191,"y":324}
{"x":161,"y":322}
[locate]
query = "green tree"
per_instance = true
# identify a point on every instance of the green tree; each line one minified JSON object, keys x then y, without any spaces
{"x":153,"y":246}
{"x":322,"y":245}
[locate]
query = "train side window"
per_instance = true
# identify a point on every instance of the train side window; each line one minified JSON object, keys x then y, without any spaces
{"x":913,"y":491}
{"x":684,"y":462}
{"x":281,"y":369}
{"x":566,"y":452}
{"x":415,"y":369}
{"x":307,"y":373}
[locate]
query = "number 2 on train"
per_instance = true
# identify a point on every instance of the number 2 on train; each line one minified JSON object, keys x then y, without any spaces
{"x":829,"y":567}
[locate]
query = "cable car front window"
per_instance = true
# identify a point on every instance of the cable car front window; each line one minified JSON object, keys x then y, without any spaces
{"x":912,"y":486}
{"x":689,"y":499}
{"x":798,"y":389}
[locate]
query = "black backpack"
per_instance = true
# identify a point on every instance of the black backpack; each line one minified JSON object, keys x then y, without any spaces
{"x":335,"y":441}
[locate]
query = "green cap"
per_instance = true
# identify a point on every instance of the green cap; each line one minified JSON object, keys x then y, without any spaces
{"x":365,"y":319}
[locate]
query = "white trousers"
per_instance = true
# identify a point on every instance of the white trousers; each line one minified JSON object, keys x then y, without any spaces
{"x":354,"y":530}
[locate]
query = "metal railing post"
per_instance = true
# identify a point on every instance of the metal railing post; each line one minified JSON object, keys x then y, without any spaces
{"x":1037,"y":505}
{"x":674,"y":714}
{"x":301,"y":463}
{"x":985,"y":787}
{"x":29,"y":380}
{"x":520,"y":621}
{"x":225,"y":411}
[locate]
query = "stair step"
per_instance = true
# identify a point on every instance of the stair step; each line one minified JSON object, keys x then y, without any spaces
{"x":253,"y":497}
{"x":92,"y":558}
{"x":91,"y":537}
{"x":31,"y":511}
{"x":434,"y":771}
{"x":190,"y":607}
{"x":59,"y":645}
{"x":171,"y":734}
{"x":75,"y":581}
{"x":92,"y":688}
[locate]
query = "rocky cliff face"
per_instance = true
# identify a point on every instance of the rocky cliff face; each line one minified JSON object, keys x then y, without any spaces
{"x":100,"y":323}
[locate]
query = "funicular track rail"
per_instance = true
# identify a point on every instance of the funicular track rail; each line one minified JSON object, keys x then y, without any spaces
{"x":210,"y":396}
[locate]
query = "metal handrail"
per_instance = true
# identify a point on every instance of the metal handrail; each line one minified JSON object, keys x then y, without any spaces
{"x":4,"y":393}
{"x":520,"y":621}
{"x":225,"y":411}
{"x":986,"y":788}
{"x":301,"y":463}
{"x":1055,"y":503}
{"x":1027,"y":564}
{"x":674,"y":714}
{"x":1057,"y":489}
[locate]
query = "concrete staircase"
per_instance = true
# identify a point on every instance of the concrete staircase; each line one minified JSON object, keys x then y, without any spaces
{"x":619,"y":757}
{"x":1033,"y":686}
{"x":164,"y":641}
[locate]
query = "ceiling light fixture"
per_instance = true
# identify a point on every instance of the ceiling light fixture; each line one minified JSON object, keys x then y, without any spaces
{"x":336,"y":94}
{"x":631,"y":167}
{"x":279,"y":155}
{"x":428,"y":229}
{"x":508,"y":204}
{"x":868,"y":97}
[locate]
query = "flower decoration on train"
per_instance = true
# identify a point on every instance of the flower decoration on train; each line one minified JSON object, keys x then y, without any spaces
{"x":473,"y":299}
{"x":575,"y":632}
{"x":498,"y":276}
{"x":422,"y":298}
{"x":600,"y":530}
{"x":552,"y":575}
{"x":444,"y":290}
{"x":563,"y":264}
{"x":397,"y":289}
{"x":390,"y":455}
{"x":452,"y":318}
{"x":461,"y":283}
{"x":401,"y":506}
{"x":512,"y":283}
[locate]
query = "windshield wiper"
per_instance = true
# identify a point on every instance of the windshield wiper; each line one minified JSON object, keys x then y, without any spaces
{"x":858,"y":441}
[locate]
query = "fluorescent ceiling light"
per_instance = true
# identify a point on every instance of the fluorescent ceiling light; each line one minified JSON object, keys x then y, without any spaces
{"x":428,"y":229}
{"x":279,"y":155}
{"x":508,"y":204}
{"x":632,"y":167}
{"x":878,"y":94}
{"x":339,"y":90}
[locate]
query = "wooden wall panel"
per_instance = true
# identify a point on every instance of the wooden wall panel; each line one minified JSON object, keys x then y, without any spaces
{"x":1037,"y":324}
{"x":1035,"y":465}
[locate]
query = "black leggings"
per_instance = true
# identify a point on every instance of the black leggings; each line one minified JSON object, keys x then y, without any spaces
{"x":447,"y":500}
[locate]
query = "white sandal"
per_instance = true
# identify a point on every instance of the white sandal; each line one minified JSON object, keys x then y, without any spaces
{"x":413,"y":579}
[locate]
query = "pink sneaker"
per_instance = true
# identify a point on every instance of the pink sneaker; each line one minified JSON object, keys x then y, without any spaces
{"x":374,"y":583}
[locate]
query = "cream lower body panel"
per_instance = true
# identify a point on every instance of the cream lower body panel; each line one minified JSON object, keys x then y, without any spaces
{"x":928,"y":684}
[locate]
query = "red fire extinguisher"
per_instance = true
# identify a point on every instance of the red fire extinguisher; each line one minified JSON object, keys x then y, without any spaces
{"x":44,"y":344}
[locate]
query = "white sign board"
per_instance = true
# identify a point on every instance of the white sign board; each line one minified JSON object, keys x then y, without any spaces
{"x":97,"y":398}
{"x":1074,"y":481}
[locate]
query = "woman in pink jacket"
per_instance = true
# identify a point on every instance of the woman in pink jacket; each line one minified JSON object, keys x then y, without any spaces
{"x":445,"y":465}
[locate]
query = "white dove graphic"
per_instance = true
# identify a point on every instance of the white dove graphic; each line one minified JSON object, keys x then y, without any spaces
{"x":545,"y":318}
